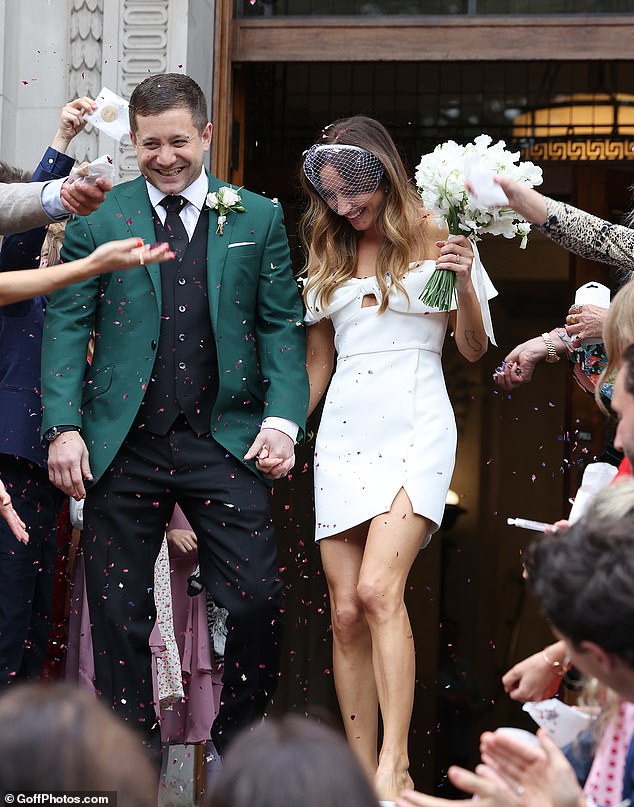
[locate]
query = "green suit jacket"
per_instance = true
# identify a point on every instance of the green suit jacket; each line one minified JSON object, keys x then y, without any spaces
{"x":255,"y":310}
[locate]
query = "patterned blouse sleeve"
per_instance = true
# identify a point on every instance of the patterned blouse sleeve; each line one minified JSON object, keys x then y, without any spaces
{"x":588,"y":235}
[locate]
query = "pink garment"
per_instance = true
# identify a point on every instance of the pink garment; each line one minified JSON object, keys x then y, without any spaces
{"x":605,"y":780}
{"x":189,"y":720}
{"x":79,"y":666}
{"x":168,"y":681}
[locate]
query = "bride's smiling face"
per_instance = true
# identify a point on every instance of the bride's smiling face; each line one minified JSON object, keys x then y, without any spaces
{"x":360,"y":206}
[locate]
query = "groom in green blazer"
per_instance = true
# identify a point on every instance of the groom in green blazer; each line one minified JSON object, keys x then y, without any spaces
{"x":195,"y":394}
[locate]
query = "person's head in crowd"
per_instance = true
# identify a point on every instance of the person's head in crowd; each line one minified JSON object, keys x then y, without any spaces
{"x":293,"y":762}
{"x":618,"y":330}
{"x":170,"y":130}
{"x":583,"y":580}
{"x":623,"y":404}
{"x":8,"y":173}
{"x":354,"y":180}
{"x":57,"y":737}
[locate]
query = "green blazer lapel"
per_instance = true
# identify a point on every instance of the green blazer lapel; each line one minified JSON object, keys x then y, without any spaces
{"x":216,"y":253}
{"x":135,"y":206}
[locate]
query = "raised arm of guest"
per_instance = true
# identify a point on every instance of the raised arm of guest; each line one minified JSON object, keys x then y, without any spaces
{"x":124,"y":254}
{"x":22,"y":250}
{"x":572,"y":228}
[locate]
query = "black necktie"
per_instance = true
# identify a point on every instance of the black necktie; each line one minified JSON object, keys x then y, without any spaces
{"x":174,"y":227}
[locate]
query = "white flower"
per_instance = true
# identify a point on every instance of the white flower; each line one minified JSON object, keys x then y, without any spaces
{"x":228,"y":197}
{"x":441,"y":183}
{"x":225,"y":200}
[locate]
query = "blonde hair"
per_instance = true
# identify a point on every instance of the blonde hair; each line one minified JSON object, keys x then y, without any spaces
{"x":52,"y":245}
{"x":331,"y":242}
{"x":614,"y":502}
{"x":618,"y":334}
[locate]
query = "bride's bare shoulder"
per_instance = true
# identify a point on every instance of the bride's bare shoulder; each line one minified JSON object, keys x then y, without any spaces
{"x":430,"y":232}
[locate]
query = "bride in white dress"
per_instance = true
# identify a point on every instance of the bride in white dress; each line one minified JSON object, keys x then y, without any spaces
{"x":386,"y":443}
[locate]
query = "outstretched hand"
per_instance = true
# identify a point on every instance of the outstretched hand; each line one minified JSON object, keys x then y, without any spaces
{"x":9,"y":514}
{"x":483,"y":784}
{"x":517,"y":368}
{"x":125,"y":254}
{"x":534,"y":678}
{"x":529,"y":203}
{"x":83,"y":198}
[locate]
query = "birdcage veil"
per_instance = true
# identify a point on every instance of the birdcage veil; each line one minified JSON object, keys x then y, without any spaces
{"x":341,"y":171}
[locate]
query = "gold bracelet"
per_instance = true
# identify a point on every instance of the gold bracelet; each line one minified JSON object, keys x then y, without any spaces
{"x":551,"y":353}
{"x":561,"y":667}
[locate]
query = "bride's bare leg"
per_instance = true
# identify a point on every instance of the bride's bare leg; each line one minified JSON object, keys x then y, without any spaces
{"x":352,"y":644}
{"x":394,"y":540}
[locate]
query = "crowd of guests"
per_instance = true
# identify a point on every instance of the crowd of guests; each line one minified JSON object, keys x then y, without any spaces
{"x":175,"y":381}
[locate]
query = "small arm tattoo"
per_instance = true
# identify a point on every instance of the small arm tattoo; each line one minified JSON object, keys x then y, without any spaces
{"x":474,"y":344}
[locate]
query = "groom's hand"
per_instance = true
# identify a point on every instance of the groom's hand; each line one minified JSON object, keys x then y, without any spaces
{"x":274,"y":452}
{"x":68,"y":464}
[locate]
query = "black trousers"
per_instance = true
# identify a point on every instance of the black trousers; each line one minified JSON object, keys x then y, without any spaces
{"x":125,"y":516}
{"x":27,"y":570}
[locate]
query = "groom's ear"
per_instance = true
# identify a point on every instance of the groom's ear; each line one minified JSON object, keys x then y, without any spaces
{"x":206,"y":136}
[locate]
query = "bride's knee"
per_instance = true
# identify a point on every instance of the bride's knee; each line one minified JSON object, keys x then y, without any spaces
{"x":349,"y":623}
{"x":379,"y":601}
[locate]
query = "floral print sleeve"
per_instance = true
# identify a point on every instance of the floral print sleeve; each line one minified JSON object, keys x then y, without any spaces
{"x":589,"y":236}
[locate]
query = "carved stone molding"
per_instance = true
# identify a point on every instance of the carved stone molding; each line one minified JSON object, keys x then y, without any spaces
{"x":84,"y":76}
{"x":143,"y":51}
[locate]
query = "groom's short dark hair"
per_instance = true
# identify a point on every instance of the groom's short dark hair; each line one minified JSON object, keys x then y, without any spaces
{"x":161,"y":93}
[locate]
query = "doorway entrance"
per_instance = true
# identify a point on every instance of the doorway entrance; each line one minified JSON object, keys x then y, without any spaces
{"x":518,"y":455}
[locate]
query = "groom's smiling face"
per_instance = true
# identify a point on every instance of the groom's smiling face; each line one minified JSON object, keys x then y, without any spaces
{"x":170,"y":149}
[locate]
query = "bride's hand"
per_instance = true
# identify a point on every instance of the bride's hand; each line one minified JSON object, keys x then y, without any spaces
{"x":456,"y":255}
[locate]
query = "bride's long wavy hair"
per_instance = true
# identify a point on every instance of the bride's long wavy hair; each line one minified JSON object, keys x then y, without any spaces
{"x":330,"y":240}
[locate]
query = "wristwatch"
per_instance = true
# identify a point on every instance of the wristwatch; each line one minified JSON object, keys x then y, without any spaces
{"x":54,"y":432}
{"x":551,"y":353}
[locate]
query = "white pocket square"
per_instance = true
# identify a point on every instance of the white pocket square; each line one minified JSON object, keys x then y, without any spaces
{"x":242,"y":244}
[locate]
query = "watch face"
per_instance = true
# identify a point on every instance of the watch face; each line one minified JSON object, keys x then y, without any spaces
{"x":50,"y":434}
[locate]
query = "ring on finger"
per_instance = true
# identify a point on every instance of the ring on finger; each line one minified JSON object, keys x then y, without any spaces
{"x":141,"y":257}
{"x":573,"y":319}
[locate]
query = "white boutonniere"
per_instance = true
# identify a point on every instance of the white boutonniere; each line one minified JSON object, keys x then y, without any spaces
{"x":225,"y":200}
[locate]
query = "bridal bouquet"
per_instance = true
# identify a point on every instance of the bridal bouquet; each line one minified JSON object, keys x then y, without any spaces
{"x":441,"y":181}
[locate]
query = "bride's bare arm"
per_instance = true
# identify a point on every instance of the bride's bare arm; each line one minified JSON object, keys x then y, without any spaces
{"x":320,"y":359}
{"x":456,"y":255}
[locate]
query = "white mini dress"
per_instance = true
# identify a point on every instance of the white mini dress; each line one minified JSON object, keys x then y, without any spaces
{"x":387,"y":422}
